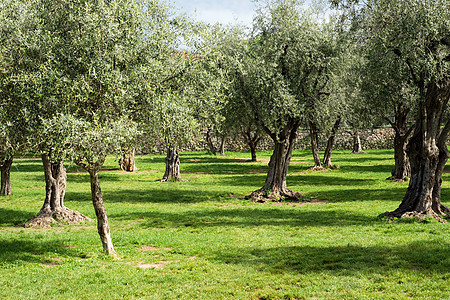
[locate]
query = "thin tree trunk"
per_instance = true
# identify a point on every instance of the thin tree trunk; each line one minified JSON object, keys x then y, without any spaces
{"x":330,"y":144}
{"x":314,"y":145}
{"x":126,"y":162}
{"x":356,"y":142}
{"x":53,"y":210}
{"x":100,"y":212}
{"x":6,"y":177}
{"x":172,"y":172}
{"x":275,"y":187}
{"x":222,"y":146}
{"x":210,"y":143}
{"x":428,"y":154}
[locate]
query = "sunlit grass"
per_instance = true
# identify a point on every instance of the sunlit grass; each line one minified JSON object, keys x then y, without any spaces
{"x":199,"y":239}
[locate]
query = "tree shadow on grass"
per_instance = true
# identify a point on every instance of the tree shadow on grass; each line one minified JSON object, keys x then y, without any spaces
{"x":32,"y":251}
{"x":11,"y":217}
{"x":247,"y":217}
{"x":421,"y":256}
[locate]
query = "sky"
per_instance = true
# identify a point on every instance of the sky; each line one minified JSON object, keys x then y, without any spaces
{"x":213,"y":11}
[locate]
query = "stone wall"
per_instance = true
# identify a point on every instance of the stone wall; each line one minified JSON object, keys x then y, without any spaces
{"x":379,"y":138}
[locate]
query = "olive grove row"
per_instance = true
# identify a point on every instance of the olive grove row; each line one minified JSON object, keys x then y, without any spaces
{"x":80,"y":80}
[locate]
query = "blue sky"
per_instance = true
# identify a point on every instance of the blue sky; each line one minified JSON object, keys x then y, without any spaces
{"x":213,"y":11}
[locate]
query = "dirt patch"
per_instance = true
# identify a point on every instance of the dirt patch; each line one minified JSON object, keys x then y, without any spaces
{"x":135,"y":172}
{"x":157,"y":265}
{"x":56,"y":261}
{"x":63,"y":216}
{"x":69,"y":246}
{"x":153,"y":248}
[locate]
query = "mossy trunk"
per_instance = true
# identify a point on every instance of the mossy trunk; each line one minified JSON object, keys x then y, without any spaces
{"x":172,"y":172}
{"x":210,"y":142}
{"x":5,"y":167}
{"x":428,"y":154}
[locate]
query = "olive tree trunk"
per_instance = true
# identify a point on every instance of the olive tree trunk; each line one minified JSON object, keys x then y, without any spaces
{"x":54,"y":210}
{"x":100,"y":212}
{"x":210,"y":142}
{"x":400,"y":125}
{"x":315,"y":145}
{"x":275,"y":187}
{"x":172,"y":172}
{"x":330,"y":144}
{"x":5,"y":167}
{"x":428,"y":155}
{"x":251,"y":140}
{"x":222,"y":145}
{"x":357,"y":148}
{"x":126,"y":162}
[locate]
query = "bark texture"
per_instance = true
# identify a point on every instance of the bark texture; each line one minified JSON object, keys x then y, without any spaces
{"x":5,"y":167}
{"x":172,"y":172}
{"x":222,"y":146}
{"x":357,"y":148}
{"x":54,"y":210}
{"x":126,"y":162}
{"x":428,"y":155}
{"x":330,"y":144}
{"x":400,"y":125}
{"x":100,"y":212}
{"x":275,"y":187}
{"x":315,"y":145}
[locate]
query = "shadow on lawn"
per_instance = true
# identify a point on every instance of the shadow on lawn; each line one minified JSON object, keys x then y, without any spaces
{"x":34,"y":251}
{"x":13,"y":217}
{"x":247,"y":217}
{"x":342,"y":260}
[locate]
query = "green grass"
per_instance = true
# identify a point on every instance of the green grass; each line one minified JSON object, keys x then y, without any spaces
{"x":199,"y":239}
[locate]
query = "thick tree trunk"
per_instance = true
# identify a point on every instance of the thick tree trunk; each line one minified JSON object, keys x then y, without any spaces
{"x":100,"y":212}
{"x":172,"y":172}
{"x":428,"y":154}
{"x":315,"y":145}
{"x":210,"y":143}
{"x":357,"y":148}
{"x":401,"y":168}
{"x":330,"y":144}
{"x":126,"y":162}
{"x":54,"y":210}
{"x":275,"y":188}
{"x":6,"y":177}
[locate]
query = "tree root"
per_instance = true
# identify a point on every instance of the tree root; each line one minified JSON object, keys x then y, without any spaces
{"x":263,"y":195}
{"x":418,"y":215}
{"x":47,"y":217}
{"x":316,"y":168}
{"x":395,"y":179}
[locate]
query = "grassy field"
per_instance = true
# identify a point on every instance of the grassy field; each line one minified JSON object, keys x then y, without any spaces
{"x":199,"y":239}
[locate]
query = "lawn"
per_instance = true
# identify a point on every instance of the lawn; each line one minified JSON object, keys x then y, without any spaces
{"x":200,"y":239}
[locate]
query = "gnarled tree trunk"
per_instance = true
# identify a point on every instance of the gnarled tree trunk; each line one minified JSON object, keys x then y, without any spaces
{"x":315,"y":145}
{"x":172,"y":172}
{"x":5,"y":167}
{"x":357,"y":148}
{"x":222,"y":145}
{"x":54,"y":210}
{"x":210,"y":142}
{"x":330,"y":144}
{"x":126,"y":162}
{"x":275,"y":188}
{"x":401,"y":168}
{"x":251,"y":140}
{"x":100,"y":212}
{"x":428,"y":154}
